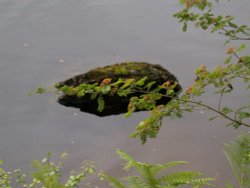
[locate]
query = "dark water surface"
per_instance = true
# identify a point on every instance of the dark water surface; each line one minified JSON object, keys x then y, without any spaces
{"x":42,"y":42}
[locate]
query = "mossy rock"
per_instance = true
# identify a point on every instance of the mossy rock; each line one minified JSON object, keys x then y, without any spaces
{"x":115,"y":104}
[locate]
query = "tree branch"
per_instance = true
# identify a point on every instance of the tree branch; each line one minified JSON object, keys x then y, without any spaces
{"x":203,"y":105}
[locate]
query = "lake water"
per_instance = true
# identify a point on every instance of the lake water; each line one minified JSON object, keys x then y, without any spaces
{"x":43,"y":42}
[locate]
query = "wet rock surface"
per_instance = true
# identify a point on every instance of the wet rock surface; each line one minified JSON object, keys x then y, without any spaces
{"x":115,"y":104}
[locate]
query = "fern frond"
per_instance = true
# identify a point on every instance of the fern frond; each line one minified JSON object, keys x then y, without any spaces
{"x":124,"y":155}
{"x":130,"y":161}
{"x":238,"y":155}
{"x":229,"y":185}
{"x":139,"y":166}
{"x":144,"y":169}
{"x":200,"y":182}
{"x":185,"y":178}
{"x":136,"y":182}
{"x":148,"y":176}
{"x":179,"y":176}
{"x":158,"y":167}
{"x":114,"y":182}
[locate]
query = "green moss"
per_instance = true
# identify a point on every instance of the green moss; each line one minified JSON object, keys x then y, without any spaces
{"x":125,"y":70}
{"x":120,"y":70}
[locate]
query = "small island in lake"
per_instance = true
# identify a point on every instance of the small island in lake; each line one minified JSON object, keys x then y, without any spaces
{"x":115,"y":104}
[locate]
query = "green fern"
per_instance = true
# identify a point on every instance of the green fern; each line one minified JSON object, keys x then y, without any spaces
{"x":148,"y":176}
{"x":238,"y":155}
{"x":136,"y":182}
{"x":184,"y":178}
{"x":112,"y":180}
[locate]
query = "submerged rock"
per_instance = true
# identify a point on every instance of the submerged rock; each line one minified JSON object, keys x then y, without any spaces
{"x":115,"y":104}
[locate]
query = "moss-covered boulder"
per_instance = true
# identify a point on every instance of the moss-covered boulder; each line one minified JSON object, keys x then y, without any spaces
{"x":115,"y":104}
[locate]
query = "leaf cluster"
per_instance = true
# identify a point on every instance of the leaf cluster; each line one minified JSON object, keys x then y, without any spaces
{"x":200,"y":13}
{"x":46,"y":174}
{"x":153,"y":176}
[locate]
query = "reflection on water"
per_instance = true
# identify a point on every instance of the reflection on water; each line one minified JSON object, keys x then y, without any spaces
{"x":51,"y":40}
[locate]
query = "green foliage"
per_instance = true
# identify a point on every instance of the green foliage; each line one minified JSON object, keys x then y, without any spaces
{"x":236,"y":68}
{"x":238,"y":156}
{"x":151,"y":175}
{"x":221,"y":80}
{"x":149,"y":127}
{"x":150,"y":94}
{"x":46,"y":174}
{"x":200,"y":13}
{"x":5,"y":178}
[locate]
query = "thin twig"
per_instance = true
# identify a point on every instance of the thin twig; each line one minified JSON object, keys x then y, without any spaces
{"x":214,"y":110}
{"x":220,"y":99}
{"x":233,"y":37}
